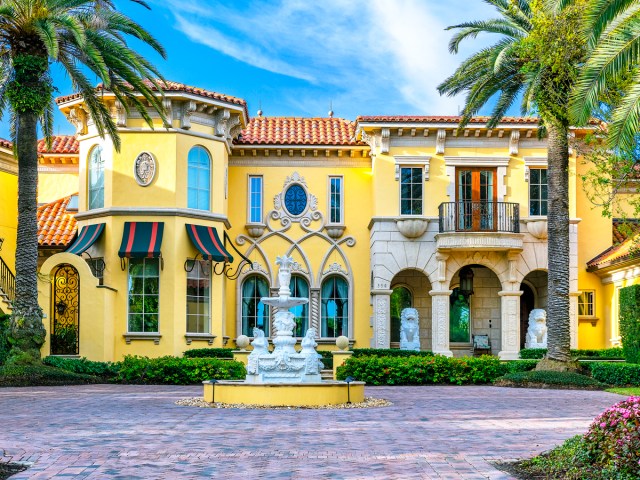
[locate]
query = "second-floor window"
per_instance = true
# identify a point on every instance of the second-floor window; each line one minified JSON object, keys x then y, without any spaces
{"x":96,"y":178}
{"x":586,"y":303}
{"x":335,"y":200}
{"x":411,"y":191}
{"x":538,"y":191}
{"x":255,"y":199}
{"x":199,"y":179}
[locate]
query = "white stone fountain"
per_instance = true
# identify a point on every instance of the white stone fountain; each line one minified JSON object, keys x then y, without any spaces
{"x":284,"y":364}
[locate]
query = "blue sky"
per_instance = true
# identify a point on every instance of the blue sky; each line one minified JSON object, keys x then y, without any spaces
{"x":298,"y":57}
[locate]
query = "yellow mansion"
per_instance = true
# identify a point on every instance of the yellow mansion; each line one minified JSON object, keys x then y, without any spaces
{"x":170,"y":243}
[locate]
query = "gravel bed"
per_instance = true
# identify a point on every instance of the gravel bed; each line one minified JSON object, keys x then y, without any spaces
{"x":369,"y":402}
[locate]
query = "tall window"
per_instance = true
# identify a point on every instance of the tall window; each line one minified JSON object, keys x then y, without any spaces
{"x":199,"y":179}
{"x":586,"y":303}
{"x":334,"y":298}
{"x":255,"y":199}
{"x":198,"y":296}
{"x":538,"y":191}
{"x":96,"y":178}
{"x":300,"y":288}
{"x":335,"y":200}
{"x":254,"y":312}
{"x":411,"y":191}
{"x":401,"y":298}
{"x":144,"y":279}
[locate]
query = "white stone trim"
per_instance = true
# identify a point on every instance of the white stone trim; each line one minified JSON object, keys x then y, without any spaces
{"x":500,"y":163}
{"x":153,"y":212}
{"x":534,"y":162}
{"x":301,"y":161}
{"x":413,"y":161}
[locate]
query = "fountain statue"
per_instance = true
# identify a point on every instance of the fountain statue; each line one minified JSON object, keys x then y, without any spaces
{"x":284,"y":364}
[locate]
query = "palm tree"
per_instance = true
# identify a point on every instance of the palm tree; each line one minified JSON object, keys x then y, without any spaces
{"x":85,"y":37}
{"x":613,"y":28}
{"x":535,"y":57}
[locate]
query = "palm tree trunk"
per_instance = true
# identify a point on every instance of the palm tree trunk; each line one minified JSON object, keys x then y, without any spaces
{"x":27,"y":331}
{"x":558,"y":318}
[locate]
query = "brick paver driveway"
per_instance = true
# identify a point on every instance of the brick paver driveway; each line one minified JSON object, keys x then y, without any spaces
{"x":118,"y":431}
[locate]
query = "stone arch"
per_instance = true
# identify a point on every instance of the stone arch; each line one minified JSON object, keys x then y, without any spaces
{"x":419,"y":284}
{"x":497,"y":262}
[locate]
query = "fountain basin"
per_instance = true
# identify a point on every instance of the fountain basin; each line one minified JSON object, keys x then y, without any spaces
{"x":283,"y":394}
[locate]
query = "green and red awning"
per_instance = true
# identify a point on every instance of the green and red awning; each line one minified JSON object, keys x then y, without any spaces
{"x":88,"y":236}
{"x":208,"y":243}
{"x":141,"y":240}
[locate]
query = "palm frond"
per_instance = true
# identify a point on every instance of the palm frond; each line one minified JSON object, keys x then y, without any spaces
{"x":625,"y":123}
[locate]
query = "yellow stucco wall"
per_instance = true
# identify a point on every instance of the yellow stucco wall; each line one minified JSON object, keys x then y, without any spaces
{"x":8,"y":216}
{"x":53,"y":185}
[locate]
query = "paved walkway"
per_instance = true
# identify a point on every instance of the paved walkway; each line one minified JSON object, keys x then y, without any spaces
{"x":134,"y":432}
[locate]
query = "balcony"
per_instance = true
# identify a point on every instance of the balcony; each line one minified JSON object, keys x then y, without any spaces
{"x":479,"y":226}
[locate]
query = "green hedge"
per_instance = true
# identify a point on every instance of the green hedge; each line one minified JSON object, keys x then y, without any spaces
{"x":608,"y":353}
{"x":545,"y":377}
{"x":105,"y":370}
{"x":33,"y":375}
{"x":209,"y":353}
{"x":389,"y":352}
{"x":619,"y":374}
{"x":520,"y":365}
{"x":421,"y":370}
{"x":177,"y":371}
{"x":630,"y":322}
{"x":4,"y":341}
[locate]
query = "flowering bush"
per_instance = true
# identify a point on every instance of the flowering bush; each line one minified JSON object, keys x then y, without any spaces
{"x":613,"y":439}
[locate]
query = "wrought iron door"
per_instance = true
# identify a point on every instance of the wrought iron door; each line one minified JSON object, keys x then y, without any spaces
{"x":65,"y":309}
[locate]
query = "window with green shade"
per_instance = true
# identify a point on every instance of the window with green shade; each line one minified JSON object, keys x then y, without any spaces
{"x":144,"y":294}
{"x":198,"y":296}
{"x":300,"y":288}
{"x":334,"y":302}
{"x":254,"y":312}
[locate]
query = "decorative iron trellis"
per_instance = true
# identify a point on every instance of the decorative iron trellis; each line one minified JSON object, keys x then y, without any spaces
{"x":65,"y":307}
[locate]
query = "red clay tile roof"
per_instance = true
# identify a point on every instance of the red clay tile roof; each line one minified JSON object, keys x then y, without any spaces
{"x":60,"y":144}
{"x":6,"y":144}
{"x":168,"y":86}
{"x":625,"y":244}
{"x":298,"y":131}
{"x":56,"y":227}
{"x":454,"y":119}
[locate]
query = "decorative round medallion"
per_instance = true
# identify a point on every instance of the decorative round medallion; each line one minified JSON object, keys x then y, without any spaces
{"x":144,"y":169}
{"x":295,"y":199}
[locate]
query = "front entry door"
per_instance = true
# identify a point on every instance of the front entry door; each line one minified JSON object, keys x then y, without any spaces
{"x":65,"y":311}
{"x":476,"y":199}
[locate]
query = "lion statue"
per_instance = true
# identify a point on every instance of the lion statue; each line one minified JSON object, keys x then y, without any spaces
{"x":409,"y":329}
{"x":537,"y":331}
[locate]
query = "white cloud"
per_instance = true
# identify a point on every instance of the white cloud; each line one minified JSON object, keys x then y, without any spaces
{"x":362,"y":52}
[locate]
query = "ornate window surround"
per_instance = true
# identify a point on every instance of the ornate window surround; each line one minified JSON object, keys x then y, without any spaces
{"x":500,"y":163}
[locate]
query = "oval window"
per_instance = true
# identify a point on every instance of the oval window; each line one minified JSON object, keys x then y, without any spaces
{"x":295,"y":199}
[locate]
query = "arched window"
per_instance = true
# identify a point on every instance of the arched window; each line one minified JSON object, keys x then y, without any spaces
{"x":199,"y":179}
{"x":96,"y":178}
{"x":401,"y":298}
{"x":254,"y":313}
{"x":300,"y":288}
{"x":334,"y":297}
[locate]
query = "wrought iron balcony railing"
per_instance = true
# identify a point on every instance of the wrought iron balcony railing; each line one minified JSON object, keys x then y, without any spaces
{"x":7,"y":281}
{"x":479,"y":217}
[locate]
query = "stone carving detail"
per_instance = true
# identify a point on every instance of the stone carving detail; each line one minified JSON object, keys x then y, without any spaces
{"x":189,"y":109}
{"x":514,"y":142}
{"x":313,"y":364}
{"x":168,"y":111}
{"x":260,"y":346}
{"x":441,"y":318}
{"x":537,"y":331}
{"x":440,"y":141}
{"x":538,"y":229}
{"x":335,"y":267}
{"x":144,"y":169}
{"x":512,"y":318}
{"x":381,"y":322}
{"x":121,"y":114}
{"x":221,"y":118}
{"x":409,"y":329}
{"x":308,"y":214}
{"x":78,"y":117}
{"x":384,"y":136}
{"x":412,"y":227}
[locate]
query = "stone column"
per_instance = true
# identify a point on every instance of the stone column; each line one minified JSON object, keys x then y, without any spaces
{"x":440,"y":322}
{"x":573,"y":319}
{"x":381,"y":318}
{"x":510,"y":320}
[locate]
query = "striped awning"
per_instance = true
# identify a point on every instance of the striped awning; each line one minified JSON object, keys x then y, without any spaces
{"x":141,"y":240}
{"x":206,"y":240}
{"x":88,"y":236}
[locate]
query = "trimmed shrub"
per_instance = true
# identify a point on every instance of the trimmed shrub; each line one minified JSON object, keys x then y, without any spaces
{"x":613,"y":439}
{"x":177,"y":371}
{"x":106,"y":370}
{"x":520,"y":365}
{"x":209,"y":353}
{"x":422,"y":370}
{"x":532,"y":353}
{"x":604,"y":353}
{"x":389,"y":352}
{"x":544,"y":377}
{"x":619,"y":374}
{"x":630,"y":322}
{"x":39,"y":375}
{"x":4,"y":341}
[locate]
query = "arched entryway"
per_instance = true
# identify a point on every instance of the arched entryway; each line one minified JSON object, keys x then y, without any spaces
{"x":476,"y":312}
{"x":534,"y":288}
{"x":411,"y":289}
{"x":65,"y":310}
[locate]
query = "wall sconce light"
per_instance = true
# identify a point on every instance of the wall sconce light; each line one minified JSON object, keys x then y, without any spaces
{"x":466,"y":281}
{"x":61,"y":307}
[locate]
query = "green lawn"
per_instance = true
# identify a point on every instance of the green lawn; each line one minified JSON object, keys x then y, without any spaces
{"x":627,"y":391}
